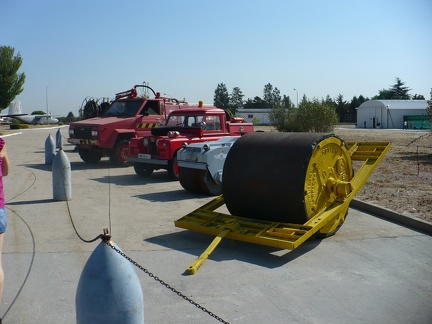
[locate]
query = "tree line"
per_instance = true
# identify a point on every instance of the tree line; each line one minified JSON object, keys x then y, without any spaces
{"x":345,"y":110}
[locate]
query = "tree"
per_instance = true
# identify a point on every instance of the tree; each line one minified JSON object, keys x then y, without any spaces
{"x":286,"y":102}
{"x":341,"y":108}
{"x":70,"y":117}
{"x":276,"y":97}
{"x":311,"y":116}
{"x":384,"y":94}
{"x":399,"y":91}
{"x":221,"y":97}
{"x":236,"y":100}
{"x":38,"y":112}
{"x":11,"y":82}
{"x":418,"y":97}
{"x":314,"y":116}
{"x":328,"y":100}
{"x":279,"y":117}
{"x":304,"y":99}
{"x":268,"y":95}
{"x":257,"y":102}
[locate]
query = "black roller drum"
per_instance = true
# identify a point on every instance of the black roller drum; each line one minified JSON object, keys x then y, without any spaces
{"x":282,"y":176}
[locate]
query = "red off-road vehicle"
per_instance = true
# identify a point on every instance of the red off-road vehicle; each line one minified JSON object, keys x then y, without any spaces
{"x":158,"y":149}
{"x":109,"y":134}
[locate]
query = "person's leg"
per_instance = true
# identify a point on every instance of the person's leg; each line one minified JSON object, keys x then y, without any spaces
{"x":3,"y":225}
{"x":1,"y":267}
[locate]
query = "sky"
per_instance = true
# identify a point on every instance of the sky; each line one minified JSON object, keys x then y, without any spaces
{"x":74,"y":49}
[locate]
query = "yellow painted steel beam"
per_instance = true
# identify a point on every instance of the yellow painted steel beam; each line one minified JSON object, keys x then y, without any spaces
{"x":204,"y":256}
{"x":372,"y":154}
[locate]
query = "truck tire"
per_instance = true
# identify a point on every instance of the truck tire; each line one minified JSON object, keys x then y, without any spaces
{"x":89,"y":155}
{"x":208,"y":185}
{"x":142,"y":169}
{"x":190,"y":179}
{"x":173,"y":168}
{"x":119,"y":154}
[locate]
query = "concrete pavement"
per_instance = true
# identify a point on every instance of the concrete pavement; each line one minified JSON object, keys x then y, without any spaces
{"x":371,"y":271}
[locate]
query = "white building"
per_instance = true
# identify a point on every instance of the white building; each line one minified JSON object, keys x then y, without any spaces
{"x":392,"y":114}
{"x":260,"y":116}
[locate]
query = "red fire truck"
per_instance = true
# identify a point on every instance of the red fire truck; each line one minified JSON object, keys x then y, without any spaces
{"x":109,"y":134}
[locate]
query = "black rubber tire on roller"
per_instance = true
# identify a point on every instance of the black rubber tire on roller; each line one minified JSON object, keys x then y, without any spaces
{"x":264,"y":175}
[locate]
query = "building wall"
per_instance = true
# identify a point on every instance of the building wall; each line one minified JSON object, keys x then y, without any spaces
{"x":388,"y":113}
{"x":259,"y":114}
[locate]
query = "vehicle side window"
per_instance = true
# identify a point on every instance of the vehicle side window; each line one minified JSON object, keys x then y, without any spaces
{"x":175,"y":121}
{"x":196,"y":121}
{"x":213,"y":123}
{"x":151,"y":108}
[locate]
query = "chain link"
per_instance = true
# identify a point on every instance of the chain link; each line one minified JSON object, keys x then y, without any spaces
{"x":163,"y":283}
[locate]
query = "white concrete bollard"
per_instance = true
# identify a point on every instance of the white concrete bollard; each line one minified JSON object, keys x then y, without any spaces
{"x":59,"y":139}
{"x":109,"y":290}
{"x":50,"y":149}
{"x":61,"y":177}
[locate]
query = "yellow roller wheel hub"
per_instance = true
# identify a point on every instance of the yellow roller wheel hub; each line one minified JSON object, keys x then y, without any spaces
{"x":328,"y":176}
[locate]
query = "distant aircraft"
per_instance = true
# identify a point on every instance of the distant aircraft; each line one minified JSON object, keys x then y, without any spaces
{"x":15,"y":112}
{"x":34,"y":119}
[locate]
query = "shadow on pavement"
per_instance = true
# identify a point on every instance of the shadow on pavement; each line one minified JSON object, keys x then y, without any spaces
{"x":195,"y":243}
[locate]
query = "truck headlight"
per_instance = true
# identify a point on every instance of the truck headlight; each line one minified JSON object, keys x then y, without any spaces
{"x":173,"y":134}
{"x":71,"y":131}
{"x":145,"y":141}
{"x":94,"y":133}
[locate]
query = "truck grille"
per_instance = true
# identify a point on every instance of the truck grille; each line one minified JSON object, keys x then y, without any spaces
{"x":153,"y":148}
{"x":83,"y":132}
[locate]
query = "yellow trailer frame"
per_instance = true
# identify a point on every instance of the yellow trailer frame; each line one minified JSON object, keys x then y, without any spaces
{"x":276,"y":234}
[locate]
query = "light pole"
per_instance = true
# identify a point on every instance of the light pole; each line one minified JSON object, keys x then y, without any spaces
{"x":46,"y":97}
{"x":297,"y":96}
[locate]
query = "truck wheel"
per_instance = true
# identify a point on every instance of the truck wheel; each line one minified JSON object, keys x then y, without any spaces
{"x":119,"y":154}
{"x":189,"y":179}
{"x":89,"y":156}
{"x":208,"y":185}
{"x":173,"y":168}
{"x":142,"y":169}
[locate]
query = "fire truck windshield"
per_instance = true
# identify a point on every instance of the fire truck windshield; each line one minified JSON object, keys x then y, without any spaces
{"x":123,"y":108}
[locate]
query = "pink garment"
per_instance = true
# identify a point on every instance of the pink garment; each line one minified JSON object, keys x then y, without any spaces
{"x":2,"y":196}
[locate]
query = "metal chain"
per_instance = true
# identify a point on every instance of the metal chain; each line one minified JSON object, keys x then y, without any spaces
{"x":106,"y":237}
{"x":136,"y":264}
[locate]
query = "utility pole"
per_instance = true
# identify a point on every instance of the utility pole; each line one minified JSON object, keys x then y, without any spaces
{"x":297,"y":96}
